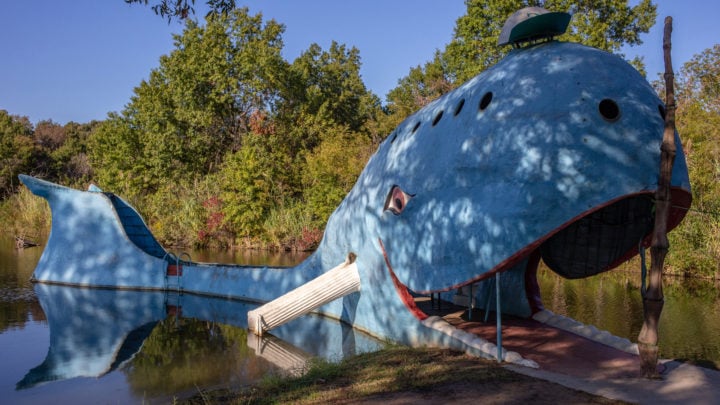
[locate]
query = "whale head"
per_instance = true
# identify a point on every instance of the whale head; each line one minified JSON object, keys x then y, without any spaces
{"x":553,"y":153}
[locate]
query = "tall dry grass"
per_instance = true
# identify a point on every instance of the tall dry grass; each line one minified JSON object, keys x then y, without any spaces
{"x":25,"y":214}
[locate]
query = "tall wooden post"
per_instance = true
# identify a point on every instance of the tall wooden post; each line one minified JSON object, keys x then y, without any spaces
{"x":653,"y":298}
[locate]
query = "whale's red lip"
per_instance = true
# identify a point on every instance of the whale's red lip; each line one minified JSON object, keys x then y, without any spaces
{"x":401,"y":289}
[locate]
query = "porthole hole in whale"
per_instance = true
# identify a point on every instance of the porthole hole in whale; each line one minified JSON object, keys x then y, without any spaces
{"x":459,"y":107}
{"x":609,"y":110}
{"x":415,"y":128}
{"x":437,"y":118}
{"x":485,"y":101}
{"x":599,"y":240}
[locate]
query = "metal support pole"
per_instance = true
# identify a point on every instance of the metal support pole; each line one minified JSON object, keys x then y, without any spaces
{"x":487,"y":301}
{"x":470,"y":301}
{"x":498,"y":317}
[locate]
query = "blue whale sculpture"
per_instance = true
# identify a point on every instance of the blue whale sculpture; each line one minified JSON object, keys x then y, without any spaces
{"x":551,"y":154}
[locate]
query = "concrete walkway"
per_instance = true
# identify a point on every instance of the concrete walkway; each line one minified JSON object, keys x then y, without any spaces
{"x":580,"y":363}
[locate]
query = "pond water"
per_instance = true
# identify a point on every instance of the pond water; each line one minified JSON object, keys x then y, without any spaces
{"x":80,"y":345}
{"x":109,"y":346}
{"x":689,"y":324}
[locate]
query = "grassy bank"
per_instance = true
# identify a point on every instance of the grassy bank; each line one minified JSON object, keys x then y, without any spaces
{"x":188,"y":223}
{"x":401,"y":375}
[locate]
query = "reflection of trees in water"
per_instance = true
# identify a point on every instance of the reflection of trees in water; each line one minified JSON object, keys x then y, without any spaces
{"x":183,"y":354}
{"x":15,"y":313}
{"x":613,"y":304}
{"x":18,"y":304}
{"x":250,"y":257}
{"x":690,"y":322}
{"x":692,"y":313}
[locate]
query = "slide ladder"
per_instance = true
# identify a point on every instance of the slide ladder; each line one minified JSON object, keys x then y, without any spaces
{"x":338,"y":282}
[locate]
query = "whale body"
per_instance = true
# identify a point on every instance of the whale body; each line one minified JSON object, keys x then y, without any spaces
{"x":551,"y":154}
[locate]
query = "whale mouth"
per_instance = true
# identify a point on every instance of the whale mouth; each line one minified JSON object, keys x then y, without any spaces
{"x":603,"y":238}
{"x":596,"y":241}
{"x":600,"y":240}
{"x":402,"y":290}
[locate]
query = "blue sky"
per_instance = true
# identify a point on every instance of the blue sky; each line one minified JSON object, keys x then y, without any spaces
{"x":77,"y":60}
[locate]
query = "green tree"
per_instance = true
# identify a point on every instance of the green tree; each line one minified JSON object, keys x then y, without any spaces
{"x":607,"y":24}
{"x":18,"y":153}
{"x":324,"y":89}
{"x":695,"y":245}
{"x":699,"y":81}
{"x":250,"y":189}
{"x":225,"y":105}
{"x":331,"y":170}
{"x":198,"y":104}
{"x":116,"y":153}
{"x":328,"y":84}
{"x":182,"y":9}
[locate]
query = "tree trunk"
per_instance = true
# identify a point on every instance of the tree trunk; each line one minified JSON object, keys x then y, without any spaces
{"x":653,"y":298}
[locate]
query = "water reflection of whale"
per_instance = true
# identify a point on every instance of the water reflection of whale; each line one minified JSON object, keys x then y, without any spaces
{"x":96,"y":331}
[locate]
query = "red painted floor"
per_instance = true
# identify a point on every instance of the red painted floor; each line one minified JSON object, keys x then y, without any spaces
{"x":553,"y":349}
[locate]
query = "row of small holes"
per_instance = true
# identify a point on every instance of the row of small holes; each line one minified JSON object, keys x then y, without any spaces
{"x":608,"y":109}
{"x":484,"y":103}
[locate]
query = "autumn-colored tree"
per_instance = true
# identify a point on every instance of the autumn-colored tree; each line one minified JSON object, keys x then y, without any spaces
{"x":71,"y":163}
{"x":421,"y":86}
{"x":64,"y":149}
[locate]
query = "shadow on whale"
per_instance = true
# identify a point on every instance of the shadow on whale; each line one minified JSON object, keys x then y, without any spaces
{"x":552,"y":154}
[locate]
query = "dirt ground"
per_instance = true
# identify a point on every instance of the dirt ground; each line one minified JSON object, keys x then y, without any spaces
{"x":496,"y":388}
{"x":405,"y":376}
{"x":514,"y":392}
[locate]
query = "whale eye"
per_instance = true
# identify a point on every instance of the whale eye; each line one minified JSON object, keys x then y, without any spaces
{"x":397,"y":200}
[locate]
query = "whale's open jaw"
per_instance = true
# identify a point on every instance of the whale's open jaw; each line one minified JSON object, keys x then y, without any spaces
{"x":603,"y":238}
{"x":596,"y":241}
